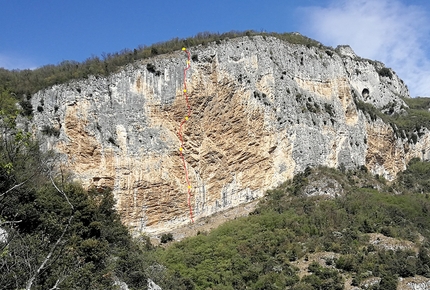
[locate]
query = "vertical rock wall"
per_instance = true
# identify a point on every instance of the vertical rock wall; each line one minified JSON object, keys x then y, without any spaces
{"x":262,"y":110}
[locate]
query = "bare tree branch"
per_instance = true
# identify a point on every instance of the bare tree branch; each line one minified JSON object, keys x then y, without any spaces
{"x":14,"y":187}
{"x":59,"y":281}
{"x":31,"y":280}
{"x":62,"y":192}
{"x":9,"y":222}
{"x":56,"y":284}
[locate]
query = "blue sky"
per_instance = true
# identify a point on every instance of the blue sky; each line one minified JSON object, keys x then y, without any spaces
{"x":36,"y":33}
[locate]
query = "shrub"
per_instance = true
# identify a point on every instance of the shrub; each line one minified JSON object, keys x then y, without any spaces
{"x":329,"y":53}
{"x":346,"y":262}
{"x":27,"y":108}
{"x":323,"y":278}
{"x":50,"y":131}
{"x":154,"y":51}
{"x":388,"y":282}
{"x":151,"y":68}
{"x":385,"y":72}
{"x":165,"y":238}
{"x":368,"y":109}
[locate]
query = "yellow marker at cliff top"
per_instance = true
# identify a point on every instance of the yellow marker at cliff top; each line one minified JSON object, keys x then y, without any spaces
{"x":184,"y":48}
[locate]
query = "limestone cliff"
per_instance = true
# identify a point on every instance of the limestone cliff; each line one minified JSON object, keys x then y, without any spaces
{"x":262,"y":110}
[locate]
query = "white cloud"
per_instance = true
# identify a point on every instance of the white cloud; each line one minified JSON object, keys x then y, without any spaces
{"x":385,"y":30}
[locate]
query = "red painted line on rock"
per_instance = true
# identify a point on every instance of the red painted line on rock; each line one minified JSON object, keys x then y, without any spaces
{"x":181,"y":137}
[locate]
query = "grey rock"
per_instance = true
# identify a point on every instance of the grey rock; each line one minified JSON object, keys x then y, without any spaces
{"x":263,"y":110}
{"x":323,"y":187}
{"x":346,"y":50}
{"x":121,"y":285}
{"x":419,"y":286}
{"x":3,"y":236}
{"x":152,"y":285}
{"x":370,"y":282}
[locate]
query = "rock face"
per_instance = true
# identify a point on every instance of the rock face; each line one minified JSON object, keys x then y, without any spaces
{"x":262,"y":110}
{"x":152,"y":285}
{"x":3,"y":236}
{"x":414,"y":283}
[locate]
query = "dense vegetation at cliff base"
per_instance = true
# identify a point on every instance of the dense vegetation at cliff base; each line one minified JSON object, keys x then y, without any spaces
{"x":289,"y":230}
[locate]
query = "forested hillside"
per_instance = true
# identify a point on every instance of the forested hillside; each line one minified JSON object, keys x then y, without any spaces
{"x":372,"y":231}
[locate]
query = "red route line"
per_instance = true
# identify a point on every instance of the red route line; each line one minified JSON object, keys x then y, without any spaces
{"x":181,"y":136}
